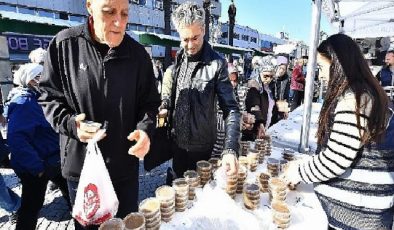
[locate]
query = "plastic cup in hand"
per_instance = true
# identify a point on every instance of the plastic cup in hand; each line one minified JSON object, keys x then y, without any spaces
{"x":89,"y":126}
{"x":161,"y":116}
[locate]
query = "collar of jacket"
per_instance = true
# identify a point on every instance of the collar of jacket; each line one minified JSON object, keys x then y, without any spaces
{"x":120,"y":51}
{"x":207,"y":54}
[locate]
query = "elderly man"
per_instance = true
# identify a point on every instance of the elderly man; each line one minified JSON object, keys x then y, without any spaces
{"x":200,"y":77}
{"x":97,"y":72}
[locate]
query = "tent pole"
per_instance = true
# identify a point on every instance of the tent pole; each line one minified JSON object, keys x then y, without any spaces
{"x":314,"y":40}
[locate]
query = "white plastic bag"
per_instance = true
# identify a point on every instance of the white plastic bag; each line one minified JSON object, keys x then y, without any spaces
{"x":96,"y":200}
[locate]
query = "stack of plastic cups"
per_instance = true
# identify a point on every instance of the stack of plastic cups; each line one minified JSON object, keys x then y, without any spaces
{"x":281,"y":214}
{"x":166,"y":195}
{"x":283,"y":165}
{"x":244,"y":148}
{"x":150,"y":208}
{"x":253,"y":161}
{"x":204,"y":170}
{"x":288,"y":154}
{"x":215,"y":162}
{"x":242,"y":174}
{"x":112,"y":224}
{"x":193,"y":180}
{"x":231,"y":186}
{"x":181,"y":194}
{"x":278,"y":190}
{"x":251,"y":194}
{"x":260,"y":146}
{"x":268,"y":145}
{"x":263,"y":179}
{"x":134,"y":221}
{"x":273,"y":166}
{"x":243,"y":160}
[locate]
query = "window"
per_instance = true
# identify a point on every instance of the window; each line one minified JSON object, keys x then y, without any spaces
{"x":224,"y":35}
{"x":63,"y":15}
{"x":150,"y":29}
{"x":245,"y":37}
{"x":23,"y":10}
{"x":253,"y":39}
{"x":8,"y":8}
{"x":77,"y":18}
{"x":236,"y":36}
{"x":142,"y":2}
{"x":133,"y":27}
{"x":141,"y":28}
{"x":47,"y":14}
{"x":159,"y":30}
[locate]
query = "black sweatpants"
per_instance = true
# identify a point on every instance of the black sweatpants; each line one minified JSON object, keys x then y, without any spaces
{"x":33,"y":196}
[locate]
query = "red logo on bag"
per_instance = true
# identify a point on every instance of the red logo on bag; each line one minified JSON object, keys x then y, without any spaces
{"x":91,"y":202}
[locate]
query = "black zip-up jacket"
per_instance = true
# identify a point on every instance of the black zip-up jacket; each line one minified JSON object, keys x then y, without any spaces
{"x":118,"y":88}
{"x":210,"y":83}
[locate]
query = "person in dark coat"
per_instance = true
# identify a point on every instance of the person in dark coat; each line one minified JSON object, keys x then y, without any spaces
{"x":260,"y":100}
{"x":201,"y":80}
{"x":385,"y":75}
{"x":97,"y":72}
{"x":280,"y":88}
{"x":34,"y":145}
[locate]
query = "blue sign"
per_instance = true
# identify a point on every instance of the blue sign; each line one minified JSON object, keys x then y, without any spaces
{"x":18,"y":43}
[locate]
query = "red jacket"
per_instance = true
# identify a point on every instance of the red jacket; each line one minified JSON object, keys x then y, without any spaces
{"x":297,"y":79}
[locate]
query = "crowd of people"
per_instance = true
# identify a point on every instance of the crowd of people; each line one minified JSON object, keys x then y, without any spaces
{"x":96,"y":72}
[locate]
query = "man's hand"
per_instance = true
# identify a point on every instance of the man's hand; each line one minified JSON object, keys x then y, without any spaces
{"x":261,"y":131}
{"x":141,"y":148}
{"x":230,"y":163}
{"x":83,"y":135}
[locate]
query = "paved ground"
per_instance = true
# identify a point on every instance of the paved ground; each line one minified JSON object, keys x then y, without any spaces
{"x":55,"y":216}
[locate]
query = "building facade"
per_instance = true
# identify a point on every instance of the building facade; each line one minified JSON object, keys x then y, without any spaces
{"x":249,"y":38}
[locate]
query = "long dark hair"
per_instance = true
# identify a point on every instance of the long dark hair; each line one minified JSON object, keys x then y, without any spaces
{"x":349,"y":70}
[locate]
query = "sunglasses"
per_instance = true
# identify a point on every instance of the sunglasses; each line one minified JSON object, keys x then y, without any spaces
{"x":267,"y":76}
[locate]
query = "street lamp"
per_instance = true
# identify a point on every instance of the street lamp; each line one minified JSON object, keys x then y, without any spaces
{"x":232,"y":12}
{"x":207,"y":5}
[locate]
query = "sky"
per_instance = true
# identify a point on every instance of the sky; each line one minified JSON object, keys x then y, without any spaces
{"x":273,"y":16}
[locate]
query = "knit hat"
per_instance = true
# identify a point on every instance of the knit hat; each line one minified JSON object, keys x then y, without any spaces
{"x":26,"y":73}
{"x":268,"y":64}
{"x":37,"y":55}
{"x":281,"y":60}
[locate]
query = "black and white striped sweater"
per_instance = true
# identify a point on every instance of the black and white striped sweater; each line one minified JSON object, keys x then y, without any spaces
{"x":354,"y":184}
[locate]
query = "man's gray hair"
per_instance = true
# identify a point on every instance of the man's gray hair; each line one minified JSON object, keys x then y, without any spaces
{"x":187,"y":14}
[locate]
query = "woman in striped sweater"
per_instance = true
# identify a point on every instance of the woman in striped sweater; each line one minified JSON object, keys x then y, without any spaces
{"x":352,"y":174}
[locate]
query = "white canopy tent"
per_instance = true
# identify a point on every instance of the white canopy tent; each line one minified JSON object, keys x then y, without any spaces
{"x":285,"y":48}
{"x":361,"y":18}
{"x":356,"y":18}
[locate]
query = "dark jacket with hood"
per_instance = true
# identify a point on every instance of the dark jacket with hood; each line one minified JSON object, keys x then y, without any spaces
{"x":209,"y":84}
{"x":33,"y":144}
{"x":118,"y":87}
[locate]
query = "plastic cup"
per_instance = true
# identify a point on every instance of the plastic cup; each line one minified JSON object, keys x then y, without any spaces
{"x":149,"y":207}
{"x":112,"y":224}
{"x":134,"y":221}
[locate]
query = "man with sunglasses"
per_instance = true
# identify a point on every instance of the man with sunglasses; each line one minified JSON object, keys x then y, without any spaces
{"x":259,"y":100}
